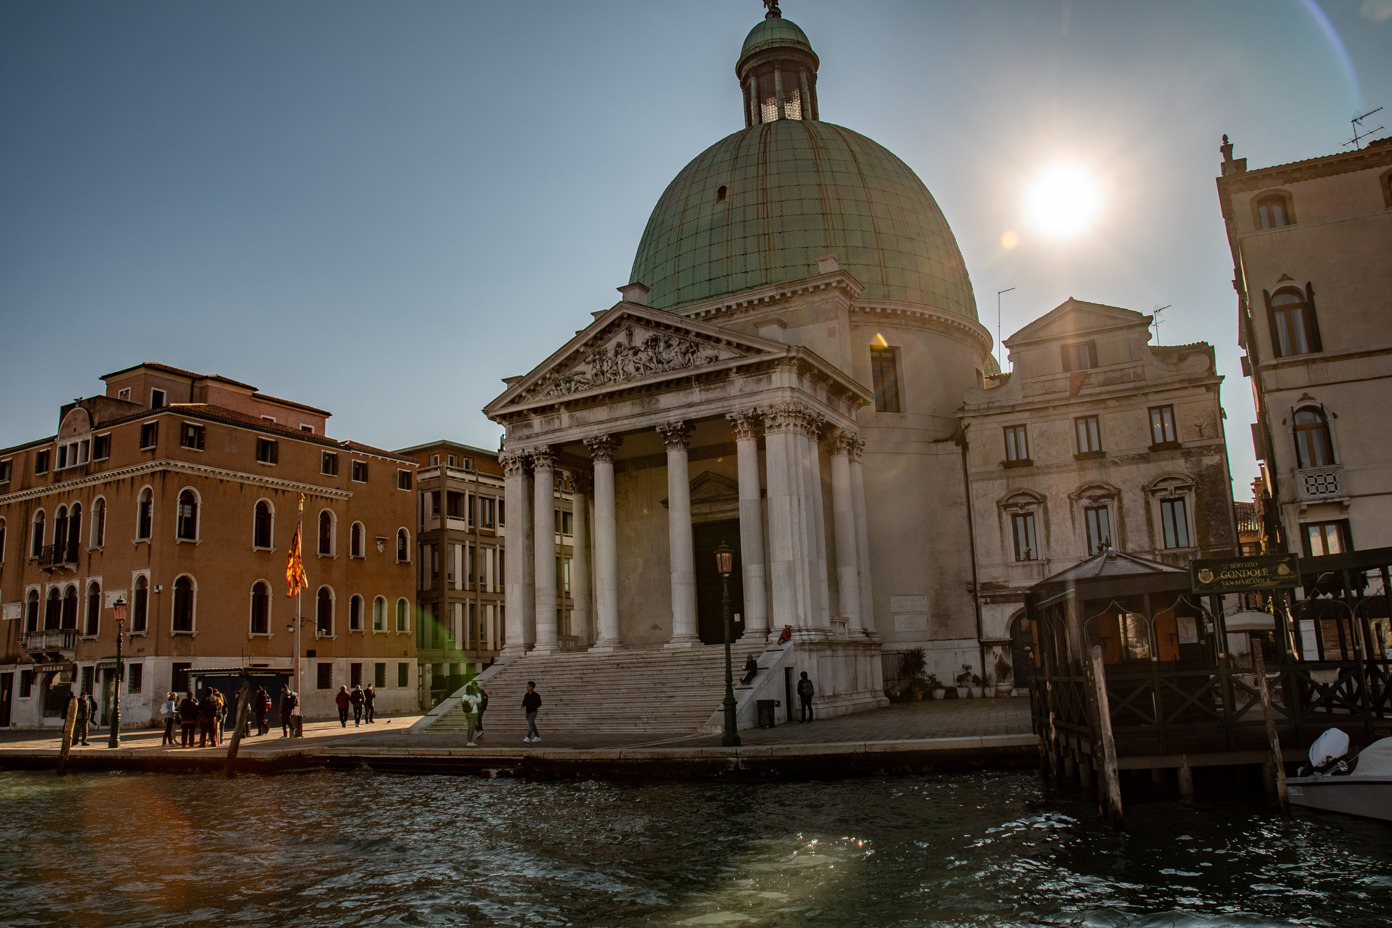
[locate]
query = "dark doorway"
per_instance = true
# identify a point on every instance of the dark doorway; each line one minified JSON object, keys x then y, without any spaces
{"x":1022,"y":651}
{"x":6,"y":688}
{"x":707,"y":536}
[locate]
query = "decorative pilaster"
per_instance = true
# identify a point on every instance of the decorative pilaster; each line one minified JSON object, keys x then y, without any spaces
{"x":844,"y":528}
{"x":816,"y":542}
{"x":517,"y":553}
{"x":606,"y":559}
{"x":745,"y":425}
{"x":867,"y":601}
{"x":581,"y":617}
{"x":788,"y":563}
{"x":676,"y":436}
{"x":544,"y":544}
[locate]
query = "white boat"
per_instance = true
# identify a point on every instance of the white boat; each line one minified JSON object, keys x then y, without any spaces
{"x":1358,"y":785}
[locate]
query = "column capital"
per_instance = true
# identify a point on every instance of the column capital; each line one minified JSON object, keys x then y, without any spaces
{"x":676,"y":435}
{"x":857,"y":447}
{"x":744,"y":423}
{"x":602,"y":447}
{"x":542,"y":459}
{"x":845,"y":441}
{"x":514,"y":463}
{"x":784,"y":417}
{"x":812,"y":425}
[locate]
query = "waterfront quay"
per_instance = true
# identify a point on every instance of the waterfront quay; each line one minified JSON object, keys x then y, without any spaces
{"x":933,"y":735}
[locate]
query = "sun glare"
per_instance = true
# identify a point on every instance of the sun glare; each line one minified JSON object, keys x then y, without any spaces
{"x":1063,"y":200}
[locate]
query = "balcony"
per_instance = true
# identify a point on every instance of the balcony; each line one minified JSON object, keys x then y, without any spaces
{"x":49,"y":641}
{"x":1321,"y":484}
{"x":58,"y":557}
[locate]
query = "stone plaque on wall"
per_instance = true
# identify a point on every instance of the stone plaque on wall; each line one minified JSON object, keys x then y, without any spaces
{"x":910,"y":613}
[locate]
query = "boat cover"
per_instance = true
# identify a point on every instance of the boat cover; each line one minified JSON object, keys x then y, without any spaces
{"x":1331,"y":745}
{"x":1375,"y":760}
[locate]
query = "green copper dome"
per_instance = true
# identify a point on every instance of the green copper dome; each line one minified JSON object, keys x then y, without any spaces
{"x":762,"y":205}
{"x":774,"y":32}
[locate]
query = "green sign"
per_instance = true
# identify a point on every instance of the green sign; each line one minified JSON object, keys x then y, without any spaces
{"x":1237,"y":574}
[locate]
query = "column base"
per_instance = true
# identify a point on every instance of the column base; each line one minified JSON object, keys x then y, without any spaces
{"x":511,"y":653}
{"x":606,"y":647}
{"x":686,"y":641}
{"x":544,"y":649}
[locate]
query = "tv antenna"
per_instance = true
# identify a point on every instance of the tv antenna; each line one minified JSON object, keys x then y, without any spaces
{"x":1357,"y":124}
{"x":1155,"y":316}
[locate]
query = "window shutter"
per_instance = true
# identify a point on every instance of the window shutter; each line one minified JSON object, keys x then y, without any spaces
{"x":1312,"y":317}
{"x":1271,"y":320}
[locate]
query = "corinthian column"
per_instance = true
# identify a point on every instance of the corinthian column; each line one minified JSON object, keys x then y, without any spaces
{"x":606,"y":548}
{"x":544,"y":544}
{"x":844,"y":527}
{"x":517,"y":553}
{"x":867,"y":599}
{"x":787,"y":533}
{"x":751,"y":516}
{"x":581,"y":618}
{"x":816,"y":541}
{"x":676,"y":435}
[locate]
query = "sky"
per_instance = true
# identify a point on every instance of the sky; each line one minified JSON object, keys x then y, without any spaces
{"x":383,"y":209}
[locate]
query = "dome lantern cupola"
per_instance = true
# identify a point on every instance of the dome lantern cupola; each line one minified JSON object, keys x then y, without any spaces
{"x":777,"y":70}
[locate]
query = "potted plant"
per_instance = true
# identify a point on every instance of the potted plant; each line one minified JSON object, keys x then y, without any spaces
{"x":934,"y":686}
{"x":1004,"y":684}
{"x":963,"y":681}
{"x":976,"y":686}
{"x":915,"y":660}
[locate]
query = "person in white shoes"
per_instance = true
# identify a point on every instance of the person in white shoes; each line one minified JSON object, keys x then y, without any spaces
{"x":531,"y":702}
{"x":469,"y":702}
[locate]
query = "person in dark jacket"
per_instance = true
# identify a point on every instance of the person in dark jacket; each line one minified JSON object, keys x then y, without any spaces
{"x":287,"y":706}
{"x":751,"y":667}
{"x":531,"y":702}
{"x":261,"y":703}
{"x":369,"y":704}
{"x":188,"y":718}
{"x":207,"y":718}
{"x":343,"y":701}
{"x":356,"y":698}
{"x":805,"y":691}
{"x":84,"y":718}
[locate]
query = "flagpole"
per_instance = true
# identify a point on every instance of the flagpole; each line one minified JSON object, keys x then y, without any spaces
{"x":299,"y":529}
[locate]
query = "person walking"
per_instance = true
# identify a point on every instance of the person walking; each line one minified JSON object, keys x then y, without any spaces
{"x":343,"y":701}
{"x":207,"y":718}
{"x":287,"y":702}
{"x":369,"y":704}
{"x":356,"y":698}
{"x":170,"y":713}
{"x":261,"y":704}
{"x":805,"y":691}
{"x":84,"y":718}
{"x":531,"y":702}
{"x":470,"y":702}
{"x":188,"y":718}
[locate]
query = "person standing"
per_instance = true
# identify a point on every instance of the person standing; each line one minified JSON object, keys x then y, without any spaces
{"x":469,"y":702}
{"x":356,"y":698}
{"x":343,"y":701}
{"x":207,"y":718}
{"x":531,"y":702}
{"x":170,"y":713}
{"x":219,"y":716}
{"x":188,"y":718}
{"x":84,"y":717}
{"x":369,"y":703}
{"x":287,"y":702}
{"x":483,"y":706}
{"x":805,"y":691}
{"x":261,"y":702}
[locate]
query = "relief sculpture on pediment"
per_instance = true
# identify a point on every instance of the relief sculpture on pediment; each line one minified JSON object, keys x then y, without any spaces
{"x":636,"y":353}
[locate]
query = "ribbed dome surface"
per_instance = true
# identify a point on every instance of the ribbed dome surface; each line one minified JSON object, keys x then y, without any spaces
{"x":795,"y":190}
{"x":774,"y":33}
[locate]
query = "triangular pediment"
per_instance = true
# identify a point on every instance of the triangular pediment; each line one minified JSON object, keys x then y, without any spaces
{"x":1074,"y":318}
{"x":627,"y":345}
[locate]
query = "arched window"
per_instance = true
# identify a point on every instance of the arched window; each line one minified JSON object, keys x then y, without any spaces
{"x":1023,"y":515}
{"x":357,"y":540}
{"x":1274,"y":210}
{"x":403,"y":545}
{"x":53,"y":610}
{"x":186,"y":525}
{"x":31,"y":611}
{"x":185,"y":604}
{"x":403,"y":616}
{"x":262,"y":524}
{"x":326,"y":532}
{"x":37,"y":535}
{"x":60,"y":533}
{"x":1294,"y":328}
{"x":260,"y":608}
{"x":140,"y":605}
{"x":94,"y":607}
{"x":323,"y":612}
{"x":98,"y":522}
{"x":70,"y":607}
{"x":355,"y":613}
{"x":379,"y":614}
{"x":144,"y":514}
{"x":74,"y":532}
{"x":1312,"y":445}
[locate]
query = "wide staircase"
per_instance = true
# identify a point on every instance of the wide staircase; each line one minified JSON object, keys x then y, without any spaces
{"x":644,"y":690}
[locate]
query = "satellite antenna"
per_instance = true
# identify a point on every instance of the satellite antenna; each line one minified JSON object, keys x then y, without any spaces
{"x":1155,"y":315}
{"x":1357,"y":124}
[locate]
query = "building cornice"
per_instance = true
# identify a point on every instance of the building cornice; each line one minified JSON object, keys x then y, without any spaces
{"x":1348,"y":162}
{"x":176,"y":467}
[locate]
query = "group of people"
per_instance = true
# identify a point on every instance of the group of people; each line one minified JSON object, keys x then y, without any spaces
{"x":206,"y":714}
{"x":361,"y":701}
{"x":86,"y":715}
{"x":475,"y":700}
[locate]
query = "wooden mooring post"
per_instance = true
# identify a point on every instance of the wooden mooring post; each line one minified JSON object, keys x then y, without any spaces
{"x":1259,"y":664}
{"x":1111,"y":778}
{"x":69,"y":723}
{"x":243,"y":701}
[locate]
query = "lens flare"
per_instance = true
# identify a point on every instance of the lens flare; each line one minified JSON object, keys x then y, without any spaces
{"x":1063,"y":201}
{"x":1010,"y":240}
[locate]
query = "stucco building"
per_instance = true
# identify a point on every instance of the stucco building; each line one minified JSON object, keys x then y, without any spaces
{"x":1310,"y":243}
{"x":1096,"y":439}
{"x":178,"y":493}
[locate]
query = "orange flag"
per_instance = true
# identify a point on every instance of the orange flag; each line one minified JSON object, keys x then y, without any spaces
{"x":294,"y":568}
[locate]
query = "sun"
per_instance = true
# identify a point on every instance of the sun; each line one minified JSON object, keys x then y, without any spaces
{"x":1063,"y":200}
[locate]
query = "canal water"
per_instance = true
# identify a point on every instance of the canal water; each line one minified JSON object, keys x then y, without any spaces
{"x":979,"y":849}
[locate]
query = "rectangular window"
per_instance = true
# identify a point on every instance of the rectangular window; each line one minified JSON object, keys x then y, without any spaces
{"x":101,"y":447}
{"x":379,"y":675}
{"x":5,"y":468}
{"x":1089,"y":433}
{"x":1162,"y":427}
{"x":1080,"y":357}
{"x":1099,"y":528}
{"x":1174,"y":519}
{"x":565,"y":522}
{"x":403,"y":674}
{"x":180,"y":680}
{"x":41,"y":461}
{"x":1326,"y":537}
{"x":434,"y":504}
{"x":123,"y":394}
{"x":323,"y":676}
{"x":1016,"y":444}
{"x":360,"y":471}
{"x":487,"y":507}
{"x":1026,"y":545}
{"x":267,"y":451}
{"x":355,"y":674}
{"x":329,"y":464}
{"x":135,"y":678}
{"x":157,"y":399}
{"x":149,"y":435}
{"x":192,"y":436}
{"x":884,"y":377}
{"x":403,"y":480}
{"x":306,"y":428}
{"x":26,"y":684}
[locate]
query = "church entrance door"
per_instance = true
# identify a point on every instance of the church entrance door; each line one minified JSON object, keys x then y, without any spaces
{"x":710,"y":617}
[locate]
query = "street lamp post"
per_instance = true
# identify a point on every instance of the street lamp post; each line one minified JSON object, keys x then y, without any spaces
{"x":725,"y":565}
{"x":114,"y":741}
